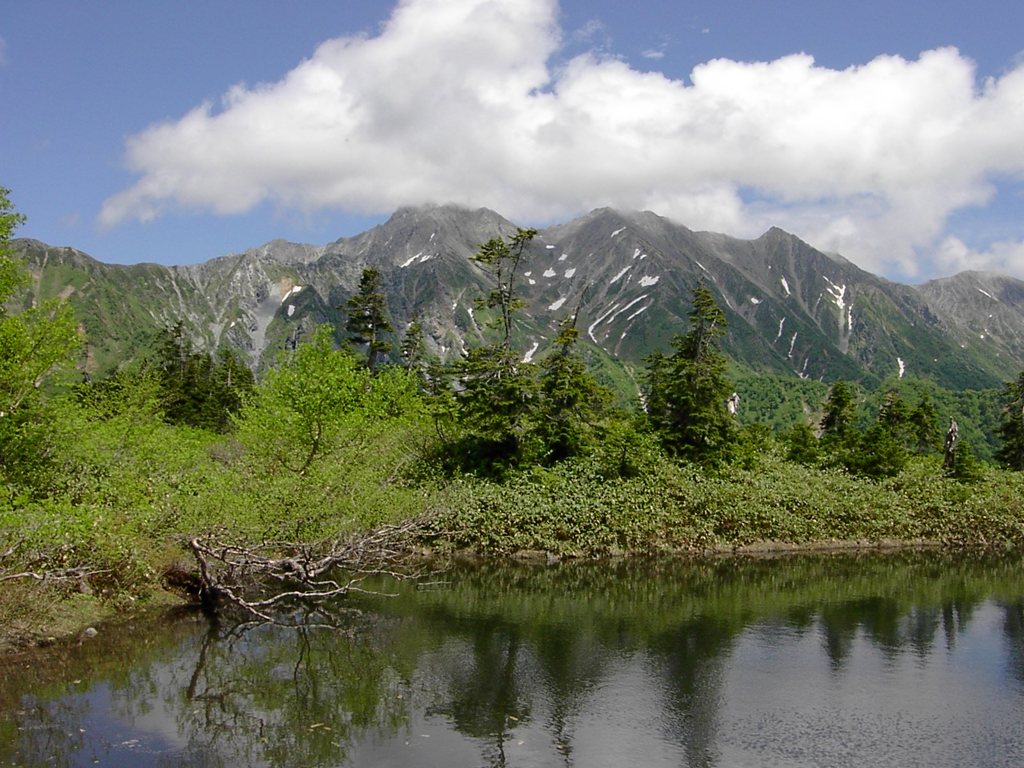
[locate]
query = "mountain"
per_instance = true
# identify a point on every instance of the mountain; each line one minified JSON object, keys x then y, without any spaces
{"x":792,"y":309}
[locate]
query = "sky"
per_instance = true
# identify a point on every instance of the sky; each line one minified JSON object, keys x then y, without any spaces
{"x":890,"y":132}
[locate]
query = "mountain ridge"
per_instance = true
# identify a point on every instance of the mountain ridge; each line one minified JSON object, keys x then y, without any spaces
{"x":792,"y":309}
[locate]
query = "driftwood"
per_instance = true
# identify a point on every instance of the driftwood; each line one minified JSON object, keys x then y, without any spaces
{"x":950,"y":444}
{"x":79,"y":574}
{"x":270,"y":581}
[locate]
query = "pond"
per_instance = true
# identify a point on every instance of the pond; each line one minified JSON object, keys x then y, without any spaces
{"x":910,"y":659}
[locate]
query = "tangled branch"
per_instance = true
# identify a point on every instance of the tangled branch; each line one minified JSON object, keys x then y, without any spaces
{"x":37,"y":569}
{"x":266,"y":581}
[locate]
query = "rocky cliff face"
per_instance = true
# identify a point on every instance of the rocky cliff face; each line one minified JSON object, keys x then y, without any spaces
{"x":629,"y":275}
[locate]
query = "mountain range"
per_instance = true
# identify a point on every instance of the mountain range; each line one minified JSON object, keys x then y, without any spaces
{"x":629,"y":276}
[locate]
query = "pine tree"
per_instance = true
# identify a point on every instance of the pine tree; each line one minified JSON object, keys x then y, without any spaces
{"x":689,"y":391}
{"x":501,"y":258}
{"x":924,"y":425}
{"x":197,"y":390}
{"x":367,"y":318}
{"x":496,"y":391}
{"x":840,"y":410}
{"x":1011,"y":453}
{"x":571,"y":400}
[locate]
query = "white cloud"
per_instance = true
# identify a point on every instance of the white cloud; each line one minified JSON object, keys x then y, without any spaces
{"x":458,"y":100}
{"x":1005,"y":256}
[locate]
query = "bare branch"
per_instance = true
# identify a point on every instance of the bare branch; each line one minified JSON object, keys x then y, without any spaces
{"x":311,"y":575}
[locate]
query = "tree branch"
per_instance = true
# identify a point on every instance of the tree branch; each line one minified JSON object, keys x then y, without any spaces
{"x":266,"y":579}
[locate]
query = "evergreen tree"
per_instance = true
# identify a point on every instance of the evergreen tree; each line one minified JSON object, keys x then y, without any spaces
{"x":840,"y":410}
{"x":496,"y":392}
{"x":802,"y":444}
{"x":232,"y":382}
{"x":1011,"y":452}
{"x":501,"y":258}
{"x":495,"y":401}
{"x":415,"y":357}
{"x":924,"y":425}
{"x":367,"y":318}
{"x":196,"y":390}
{"x":879,"y":452}
{"x":965,"y":466}
{"x":570,"y":398}
{"x":687,"y":402}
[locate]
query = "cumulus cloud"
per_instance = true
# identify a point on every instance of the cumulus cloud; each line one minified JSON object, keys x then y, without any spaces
{"x":1003,"y":256}
{"x":462,"y":101}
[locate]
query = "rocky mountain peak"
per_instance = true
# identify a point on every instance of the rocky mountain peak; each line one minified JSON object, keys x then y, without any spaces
{"x":792,"y":308}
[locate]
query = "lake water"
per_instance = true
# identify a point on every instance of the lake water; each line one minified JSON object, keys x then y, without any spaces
{"x":912,"y":659}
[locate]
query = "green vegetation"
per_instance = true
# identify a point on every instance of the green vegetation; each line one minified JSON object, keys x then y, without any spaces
{"x":105,"y":482}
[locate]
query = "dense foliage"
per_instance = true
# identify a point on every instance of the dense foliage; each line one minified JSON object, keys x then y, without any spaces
{"x":105,"y":481}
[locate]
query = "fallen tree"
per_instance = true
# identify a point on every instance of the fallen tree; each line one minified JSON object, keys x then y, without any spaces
{"x":288,"y":582}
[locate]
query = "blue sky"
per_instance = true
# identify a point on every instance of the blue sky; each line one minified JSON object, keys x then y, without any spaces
{"x":176,"y":132}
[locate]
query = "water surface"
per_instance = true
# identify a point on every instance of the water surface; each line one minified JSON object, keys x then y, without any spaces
{"x":903,"y":660}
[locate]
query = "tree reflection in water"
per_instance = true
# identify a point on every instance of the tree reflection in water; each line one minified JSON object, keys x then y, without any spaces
{"x":579,"y":664}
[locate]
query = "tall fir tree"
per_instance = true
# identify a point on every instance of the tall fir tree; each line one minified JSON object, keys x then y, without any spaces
{"x":689,"y":391}
{"x":924,"y":425}
{"x":496,"y":391}
{"x":196,"y":389}
{"x":571,"y":400}
{"x":1011,"y":430}
{"x":840,"y":411}
{"x":501,"y":258}
{"x":368,"y":318}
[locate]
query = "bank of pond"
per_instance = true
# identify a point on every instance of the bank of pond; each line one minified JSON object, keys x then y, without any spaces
{"x":908,"y":658}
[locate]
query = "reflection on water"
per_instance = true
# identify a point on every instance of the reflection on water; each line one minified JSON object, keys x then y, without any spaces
{"x":912,"y":659}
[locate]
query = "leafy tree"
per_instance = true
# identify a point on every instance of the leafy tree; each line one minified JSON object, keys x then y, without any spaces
{"x":35,"y":343}
{"x":1011,"y":452}
{"x":688,"y":391}
{"x":300,"y":406}
{"x":368,"y":318}
{"x":570,"y":398}
{"x":321,"y":441}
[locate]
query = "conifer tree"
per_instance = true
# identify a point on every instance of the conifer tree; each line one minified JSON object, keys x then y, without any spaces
{"x":496,"y":390}
{"x":689,"y":389}
{"x":501,"y":258}
{"x":840,"y":410}
{"x":570,"y":398}
{"x":196,"y":389}
{"x":1011,"y":452}
{"x":414,"y":348}
{"x":924,"y":425}
{"x":367,"y":318}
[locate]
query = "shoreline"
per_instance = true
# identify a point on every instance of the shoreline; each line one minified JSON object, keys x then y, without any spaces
{"x":76,"y":620}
